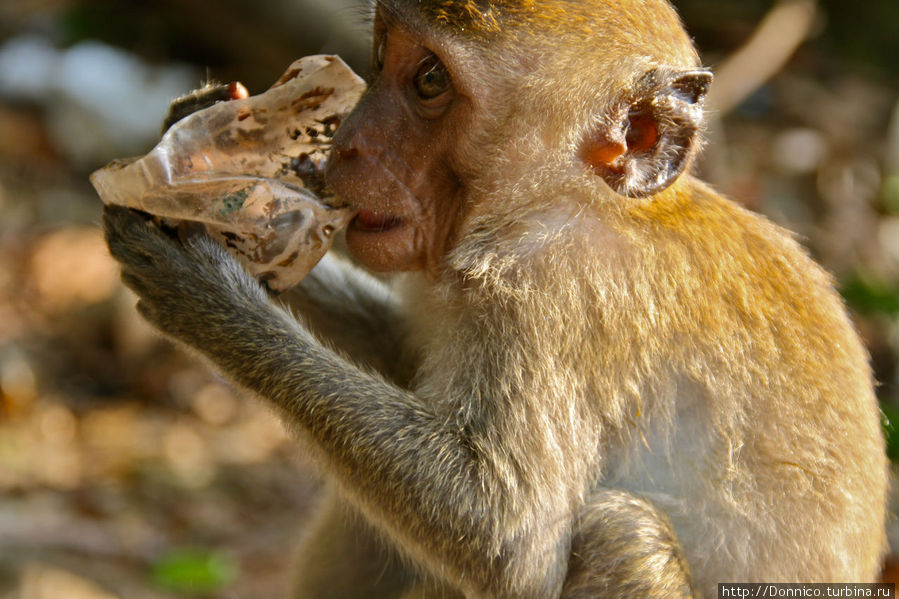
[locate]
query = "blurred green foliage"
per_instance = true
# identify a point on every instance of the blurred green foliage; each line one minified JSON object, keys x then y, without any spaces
{"x":890,"y":194}
{"x":195,"y":572}
{"x":889,"y":419}
{"x":870,"y":296}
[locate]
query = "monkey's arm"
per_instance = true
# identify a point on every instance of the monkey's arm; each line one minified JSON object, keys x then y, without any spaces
{"x":404,"y":465}
{"x":357,"y":314}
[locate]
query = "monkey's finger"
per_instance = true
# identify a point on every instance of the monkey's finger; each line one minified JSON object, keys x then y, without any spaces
{"x":148,"y":313}
{"x":120,"y":228}
{"x":188,"y":230}
{"x":203,"y":98}
{"x":123,"y":222}
{"x":120,"y":217}
{"x":134,"y":282}
{"x":200,"y":245}
{"x":133,"y":239}
{"x":204,"y":250}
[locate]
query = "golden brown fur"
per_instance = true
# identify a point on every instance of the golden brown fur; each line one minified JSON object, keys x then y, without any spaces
{"x":603,"y":379}
{"x":720,"y":372}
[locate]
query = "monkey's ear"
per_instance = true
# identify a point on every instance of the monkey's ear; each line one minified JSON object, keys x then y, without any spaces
{"x":646,"y":142}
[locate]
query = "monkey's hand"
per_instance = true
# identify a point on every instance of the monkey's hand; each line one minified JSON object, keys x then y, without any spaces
{"x":190,"y":288}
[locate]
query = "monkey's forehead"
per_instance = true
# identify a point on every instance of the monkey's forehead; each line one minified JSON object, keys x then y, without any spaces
{"x":649,"y":26}
{"x":491,"y":17}
{"x":475,"y":16}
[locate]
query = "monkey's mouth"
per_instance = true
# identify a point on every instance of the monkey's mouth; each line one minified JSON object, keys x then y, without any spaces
{"x":367,"y":221}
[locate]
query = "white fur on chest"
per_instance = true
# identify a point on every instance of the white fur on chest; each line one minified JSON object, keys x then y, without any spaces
{"x":686,"y":466}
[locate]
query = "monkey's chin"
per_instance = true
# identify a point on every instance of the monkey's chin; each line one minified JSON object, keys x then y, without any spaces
{"x":384,"y":249}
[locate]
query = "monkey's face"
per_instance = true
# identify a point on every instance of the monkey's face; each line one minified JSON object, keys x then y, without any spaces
{"x":393,"y":160}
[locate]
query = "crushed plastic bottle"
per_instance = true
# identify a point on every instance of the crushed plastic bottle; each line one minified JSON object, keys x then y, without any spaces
{"x":250,"y":170}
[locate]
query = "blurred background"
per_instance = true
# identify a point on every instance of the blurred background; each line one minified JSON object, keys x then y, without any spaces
{"x":127,"y":469}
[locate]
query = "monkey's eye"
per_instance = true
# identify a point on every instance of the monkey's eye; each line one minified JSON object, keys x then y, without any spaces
{"x":432,"y":79}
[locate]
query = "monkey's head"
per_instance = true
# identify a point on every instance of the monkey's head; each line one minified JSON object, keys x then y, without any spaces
{"x":478,"y":106}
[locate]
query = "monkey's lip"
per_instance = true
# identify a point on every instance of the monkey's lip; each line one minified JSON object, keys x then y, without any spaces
{"x":367,"y":221}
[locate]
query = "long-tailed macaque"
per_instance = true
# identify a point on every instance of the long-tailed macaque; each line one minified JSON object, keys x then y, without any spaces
{"x":600,"y":379}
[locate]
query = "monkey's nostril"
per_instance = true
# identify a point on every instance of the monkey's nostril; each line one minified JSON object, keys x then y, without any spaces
{"x":347,"y":153}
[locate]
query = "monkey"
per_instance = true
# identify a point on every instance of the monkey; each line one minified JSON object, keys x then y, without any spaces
{"x":203,"y":97}
{"x":592,"y":376}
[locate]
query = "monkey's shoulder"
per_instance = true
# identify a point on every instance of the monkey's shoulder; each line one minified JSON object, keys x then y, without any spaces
{"x":719,"y":270}
{"x":712,"y":233}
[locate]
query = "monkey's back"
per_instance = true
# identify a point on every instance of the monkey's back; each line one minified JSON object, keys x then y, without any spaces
{"x":759,"y":384}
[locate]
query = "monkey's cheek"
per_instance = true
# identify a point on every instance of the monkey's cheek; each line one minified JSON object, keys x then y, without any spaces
{"x":395,"y":249}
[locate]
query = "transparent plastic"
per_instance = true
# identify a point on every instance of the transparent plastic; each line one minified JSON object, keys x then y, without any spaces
{"x":250,"y":170}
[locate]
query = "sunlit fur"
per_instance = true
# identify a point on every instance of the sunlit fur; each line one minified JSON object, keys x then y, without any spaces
{"x":702,"y":354}
{"x":590,"y":395}
{"x":693,"y":344}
